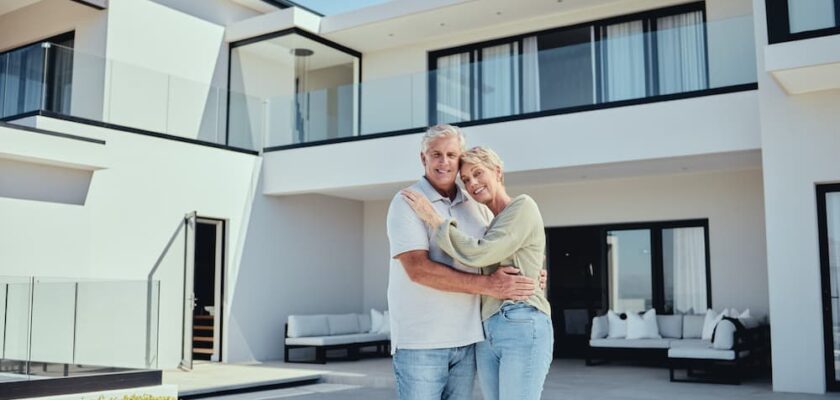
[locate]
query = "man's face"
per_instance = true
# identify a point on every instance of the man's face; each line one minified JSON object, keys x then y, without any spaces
{"x":441,"y":162}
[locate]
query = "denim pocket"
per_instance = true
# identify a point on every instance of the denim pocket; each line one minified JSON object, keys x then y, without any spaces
{"x":519,"y":313}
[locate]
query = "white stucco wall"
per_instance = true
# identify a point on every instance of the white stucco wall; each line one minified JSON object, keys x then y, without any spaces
{"x":800,"y":143}
{"x":649,"y":131}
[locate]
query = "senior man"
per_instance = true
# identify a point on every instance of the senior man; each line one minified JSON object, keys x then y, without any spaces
{"x":434,"y":302}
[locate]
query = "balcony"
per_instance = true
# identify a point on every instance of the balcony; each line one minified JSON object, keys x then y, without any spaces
{"x":52,"y":79}
{"x":608,"y":64}
{"x":804,"y":51}
{"x":674,"y":100}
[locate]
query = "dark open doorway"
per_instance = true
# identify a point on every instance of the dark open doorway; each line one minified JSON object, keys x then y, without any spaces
{"x":576,"y":285}
{"x":208,"y":289}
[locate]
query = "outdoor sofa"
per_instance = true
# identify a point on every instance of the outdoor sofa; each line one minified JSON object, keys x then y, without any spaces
{"x":736,"y":347}
{"x":350,"y":333}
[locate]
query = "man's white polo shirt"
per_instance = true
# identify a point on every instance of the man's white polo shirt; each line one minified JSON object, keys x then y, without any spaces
{"x":423,"y":317}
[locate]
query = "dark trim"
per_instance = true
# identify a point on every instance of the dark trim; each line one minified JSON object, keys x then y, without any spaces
{"x":46,"y":132}
{"x":50,"y":114}
{"x":79,"y":384}
{"x":284,"y":4}
{"x":778,"y":23}
{"x":560,"y":111}
{"x":298,"y":31}
{"x":91,"y":5}
{"x":832,"y":384}
{"x":52,"y":39}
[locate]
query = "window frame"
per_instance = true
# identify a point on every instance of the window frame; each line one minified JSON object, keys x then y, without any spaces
{"x":657,"y":260}
{"x":778,"y":23}
{"x":651,"y":71}
{"x":831,"y":381}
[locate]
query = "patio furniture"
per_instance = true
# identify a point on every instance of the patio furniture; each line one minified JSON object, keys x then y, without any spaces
{"x":735,"y":352}
{"x":350,"y":333}
{"x":736,"y":347}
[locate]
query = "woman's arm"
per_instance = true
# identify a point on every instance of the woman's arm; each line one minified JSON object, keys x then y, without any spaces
{"x":509,"y":231}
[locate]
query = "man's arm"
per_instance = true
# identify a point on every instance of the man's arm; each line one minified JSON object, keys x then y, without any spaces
{"x":503,"y":284}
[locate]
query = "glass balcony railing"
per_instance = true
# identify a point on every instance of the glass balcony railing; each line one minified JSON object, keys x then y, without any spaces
{"x":53,"y":327}
{"x":594,"y":67}
{"x":562,"y":71}
{"x":46,"y":77}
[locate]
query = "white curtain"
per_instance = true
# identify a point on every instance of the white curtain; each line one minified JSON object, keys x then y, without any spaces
{"x":530,"y":75}
{"x":21,"y":80}
{"x":689,"y":269}
{"x":453,"y":88}
{"x":832,"y":205}
{"x":681,"y":47}
{"x":61,"y":78}
{"x":623,"y":55}
{"x":499,"y":86}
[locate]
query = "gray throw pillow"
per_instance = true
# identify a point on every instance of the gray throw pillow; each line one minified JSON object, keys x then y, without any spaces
{"x":670,"y":326}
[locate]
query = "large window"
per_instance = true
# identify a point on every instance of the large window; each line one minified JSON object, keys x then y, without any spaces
{"x":655,"y":53}
{"x":37,"y":77}
{"x":802,"y":19}
{"x":828,"y":211}
{"x":661,"y":265}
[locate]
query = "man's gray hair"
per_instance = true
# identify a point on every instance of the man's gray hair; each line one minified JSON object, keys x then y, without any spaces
{"x":442,"y":130}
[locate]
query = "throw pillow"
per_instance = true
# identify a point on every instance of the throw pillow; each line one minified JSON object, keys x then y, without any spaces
{"x":709,"y":323}
{"x":617,"y":326}
{"x":386,"y":323}
{"x":376,"y":318}
{"x":600,"y":327}
{"x":642,"y":327}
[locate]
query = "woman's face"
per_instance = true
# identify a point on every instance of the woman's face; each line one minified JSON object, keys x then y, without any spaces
{"x":482,"y":183}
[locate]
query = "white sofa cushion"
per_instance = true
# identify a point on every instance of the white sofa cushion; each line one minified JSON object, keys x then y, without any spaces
{"x":696,"y":343}
{"x":724,"y":335}
{"x":364,"y":322}
{"x":334,"y":340}
{"x":706,"y":353}
{"x":376,"y":319}
{"x":343,"y":324}
{"x":600,"y":327}
{"x":670,"y":326}
{"x":709,"y":323}
{"x":308,"y":325}
{"x":617,"y":326}
{"x":631,"y":343}
{"x":642,"y":327}
{"x":693,"y":326}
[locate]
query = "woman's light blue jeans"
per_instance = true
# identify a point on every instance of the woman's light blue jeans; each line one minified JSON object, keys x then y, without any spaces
{"x":514,"y":358}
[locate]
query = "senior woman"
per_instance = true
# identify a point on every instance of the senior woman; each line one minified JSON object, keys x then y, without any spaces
{"x":514,"y":358}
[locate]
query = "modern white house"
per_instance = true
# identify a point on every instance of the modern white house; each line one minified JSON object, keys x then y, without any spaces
{"x":179,"y":176}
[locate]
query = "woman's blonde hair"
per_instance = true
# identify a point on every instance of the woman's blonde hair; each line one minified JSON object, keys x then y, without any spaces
{"x":485,"y":157}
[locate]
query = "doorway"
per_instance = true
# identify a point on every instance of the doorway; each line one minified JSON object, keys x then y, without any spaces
{"x":576,"y":285}
{"x":208,"y":289}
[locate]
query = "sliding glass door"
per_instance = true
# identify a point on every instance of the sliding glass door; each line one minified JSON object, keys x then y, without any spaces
{"x":661,"y":265}
{"x":828,"y":211}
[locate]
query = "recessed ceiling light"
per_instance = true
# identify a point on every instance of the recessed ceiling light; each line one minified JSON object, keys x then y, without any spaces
{"x":391,"y":35}
{"x":498,"y":13}
{"x":443,"y":24}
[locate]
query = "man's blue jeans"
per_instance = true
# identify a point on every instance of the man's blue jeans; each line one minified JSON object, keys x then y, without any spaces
{"x":514,"y":358}
{"x":435,"y":374}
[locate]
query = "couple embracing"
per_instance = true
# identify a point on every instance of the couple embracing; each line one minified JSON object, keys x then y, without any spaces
{"x":463,"y":291}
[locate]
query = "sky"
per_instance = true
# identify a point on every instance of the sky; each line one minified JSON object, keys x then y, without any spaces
{"x":330,"y":7}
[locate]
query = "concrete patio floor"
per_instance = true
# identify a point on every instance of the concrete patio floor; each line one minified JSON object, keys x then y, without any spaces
{"x":568,"y":379}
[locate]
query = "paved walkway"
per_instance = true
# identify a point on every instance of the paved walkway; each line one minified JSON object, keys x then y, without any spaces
{"x":568,"y":379}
